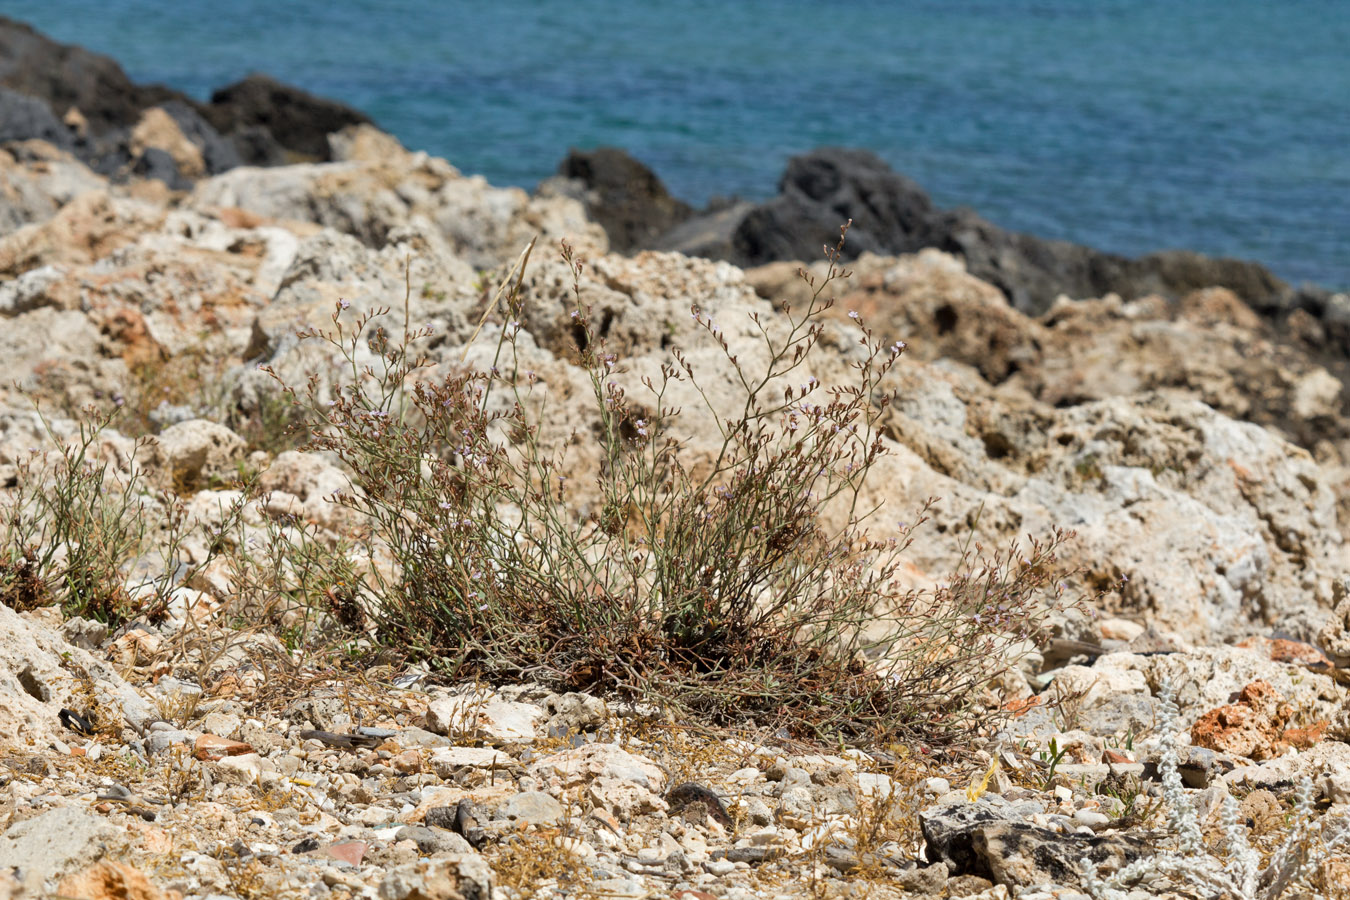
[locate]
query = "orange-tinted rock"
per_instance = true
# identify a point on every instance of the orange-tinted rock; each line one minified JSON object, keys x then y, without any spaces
{"x":351,"y":852}
{"x":213,"y":746}
{"x":407,"y":762}
{"x":1257,"y":726}
{"x":109,"y":880}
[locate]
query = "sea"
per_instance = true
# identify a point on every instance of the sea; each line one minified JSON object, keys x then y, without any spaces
{"x":1130,"y":125}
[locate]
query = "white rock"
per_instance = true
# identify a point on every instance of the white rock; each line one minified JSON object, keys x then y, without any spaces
{"x":582,"y":764}
{"x":54,"y":843}
{"x":624,"y":799}
{"x":446,"y":760}
{"x":504,"y":722}
{"x":877,"y":785}
{"x":245,"y":769}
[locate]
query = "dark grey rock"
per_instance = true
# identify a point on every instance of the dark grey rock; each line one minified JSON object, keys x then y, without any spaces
{"x":980,"y":839}
{"x":159,"y":165}
{"x":218,"y":153}
{"x":25,"y":118}
{"x":298,"y":120}
{"x":624,"y":197}
{"x":821,"y":190}
{"x":256,"y":146}
{"x":64,"y":76}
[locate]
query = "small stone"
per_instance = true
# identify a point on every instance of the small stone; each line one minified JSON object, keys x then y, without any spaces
{"x":533,"y":808}
{"x":619,"y":887}
{"x":406,"y":762}
{"x":433,"y":840}
{"x":447,"y":760}
{"x":420,"y":737}
{"x":875,"y":785}
{"x":1091,"y":818}
{"x":160,"y":741}
{"x":86,"y":634}
{"x":1119,"y":629}
{"x":625,"y":799}
{"x":223,"y":724}
{"x":719,"y":867}
{"x":928,"y":880}
{"x":246,"y":769}
{"x":375,"y":815}
{"x":574,"y":712}
{"x":350,"y":852}
{"x":53,"y":843}
{"x":211,"y":746}
{"x":459,"y":876}
{"x":757,"y":811}
{"x":580,"y":765}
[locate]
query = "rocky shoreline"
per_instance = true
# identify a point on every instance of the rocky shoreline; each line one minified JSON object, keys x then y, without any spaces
{"x":1185,"y":417}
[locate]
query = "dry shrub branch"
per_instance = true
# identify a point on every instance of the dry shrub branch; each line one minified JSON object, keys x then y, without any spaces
{"x":718,"y":584}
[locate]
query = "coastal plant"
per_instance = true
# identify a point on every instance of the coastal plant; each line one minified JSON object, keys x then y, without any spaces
{"x":198,"y":383}
{"x":79,"y":515}
{"x":719,"y":583}
{"x":70,"y":525}
{"x":1292,"y":866}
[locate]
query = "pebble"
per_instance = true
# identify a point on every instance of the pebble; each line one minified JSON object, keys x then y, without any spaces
{"x":1091,"y":818}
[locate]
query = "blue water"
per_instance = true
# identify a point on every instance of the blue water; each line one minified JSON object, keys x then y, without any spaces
{"x":1130,"y":125}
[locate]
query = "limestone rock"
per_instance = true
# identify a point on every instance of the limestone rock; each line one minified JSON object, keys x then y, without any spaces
{"x":55,"y":843}
{"x":370,"y":198}
{"x":1259,"y":725}
{"x":462,"y":876}
{"x":584,"y":764}
{"x":191,"y":453}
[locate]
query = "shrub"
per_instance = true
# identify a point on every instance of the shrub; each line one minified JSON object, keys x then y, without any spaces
{"x":78,"y":518}
{"x":717,"y":584}
{"x":1292,"y":869}
{"x":69,"y":527}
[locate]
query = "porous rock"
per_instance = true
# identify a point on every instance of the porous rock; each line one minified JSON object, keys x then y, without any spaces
{"x":54,"y":844}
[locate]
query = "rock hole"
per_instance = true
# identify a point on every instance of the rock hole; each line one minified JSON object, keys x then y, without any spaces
{"x":945,"y":317}
{"x":33,"y":686}
{"x":997,"y":445}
